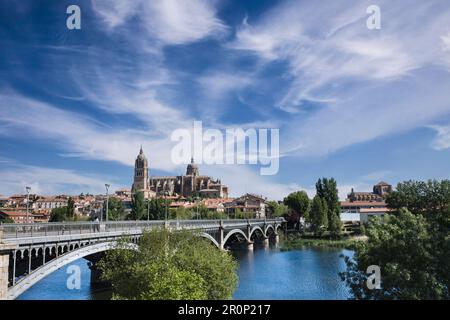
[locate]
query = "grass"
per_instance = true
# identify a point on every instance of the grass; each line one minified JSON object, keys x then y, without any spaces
{"x":297,"y":241}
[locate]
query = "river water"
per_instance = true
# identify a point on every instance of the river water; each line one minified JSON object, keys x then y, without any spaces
{"x":309,"y":273}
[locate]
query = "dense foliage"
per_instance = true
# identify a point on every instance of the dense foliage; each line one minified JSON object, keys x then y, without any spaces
{"x":411,"y":246}
{"x":66,"y":213}
{"x":275,"y":209}
{"x":299,"y":202}
{"x":116,"y":211}
{"x":177,"y":265}
{"x":137,"y":206}
{"x":327,"y":190}
{"x":318,"y":216}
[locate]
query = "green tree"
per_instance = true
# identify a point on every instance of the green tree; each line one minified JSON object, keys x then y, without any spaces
{"x":327,"y":189}
{"x":431,"y":197}
{"x":181,"y":213}
{"x":318,"y":216}
{"x":70,"y":207}
{"x":58,"y":215}
{"x":299,"y":202}
{"x":4,"y":219}
{"x":335,"y":226}
{"x":137,"y":206}
{"x":274,"y":209}
{"x":116,"y":211}
{"x":157,"y":208}
{"x":403,"y":248}
{"x":239,"y":214}
{"x":177,"y":265}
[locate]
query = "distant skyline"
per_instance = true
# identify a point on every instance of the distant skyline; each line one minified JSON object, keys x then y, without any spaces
{"x":351,"y":103}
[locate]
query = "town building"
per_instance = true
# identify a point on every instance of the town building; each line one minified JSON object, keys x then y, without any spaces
{"x":50,"y":202}
{"x":360,"y":206}
{"x":379,"y":193}
{"x":252,"y":206}
{"x":16,"y":216}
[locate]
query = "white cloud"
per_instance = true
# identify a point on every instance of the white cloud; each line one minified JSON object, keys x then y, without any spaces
{"x":80,"y":135}
{"x":170,"y":21}
{"x":370,"y":83}
{"x":371,"y":113}
{"x":446,"y":42}
{"x":329,"y":45}
{"x":442,"y":139}
{"x":243,"y":179}
{"x":217,"y":85}
{"x":44,"y":180}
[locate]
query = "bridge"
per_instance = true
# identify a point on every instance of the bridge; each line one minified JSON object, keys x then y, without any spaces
{"x":30,"y":252}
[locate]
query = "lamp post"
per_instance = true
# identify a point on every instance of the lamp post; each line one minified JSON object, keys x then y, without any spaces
{"x":107,"y":200}
{"x":28,"y":201}
{"x":196,"y":203}
{"x":165,"y":197}
{"x":148,"y":207}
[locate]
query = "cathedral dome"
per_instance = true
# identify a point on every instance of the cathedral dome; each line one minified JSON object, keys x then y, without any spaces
{"x":192,"y":168}
{"x":141,"y":160}
{"x":141,"y":155}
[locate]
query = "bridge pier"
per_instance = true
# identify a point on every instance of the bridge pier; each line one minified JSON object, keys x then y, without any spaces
{"x":266,"y":242}
{"x":5,"y":251}
{"x":221,"y":231}
{"x":250,"y":245}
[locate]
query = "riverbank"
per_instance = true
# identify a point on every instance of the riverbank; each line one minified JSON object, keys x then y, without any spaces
{"x":298,"y":241}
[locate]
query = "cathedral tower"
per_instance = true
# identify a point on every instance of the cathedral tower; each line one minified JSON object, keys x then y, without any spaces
{"x":140,"y":182}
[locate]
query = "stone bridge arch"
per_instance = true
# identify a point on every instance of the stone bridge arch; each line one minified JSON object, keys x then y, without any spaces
{"x":231,"y":233}
{"x":59,"y":262}
{"x":210,"y":238}
{"x":257,"y":228}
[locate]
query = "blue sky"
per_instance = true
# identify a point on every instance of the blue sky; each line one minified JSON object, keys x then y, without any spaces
{"x":356,"y":104}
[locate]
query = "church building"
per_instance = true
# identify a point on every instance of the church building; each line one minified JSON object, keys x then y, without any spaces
{"x":192,"y":184}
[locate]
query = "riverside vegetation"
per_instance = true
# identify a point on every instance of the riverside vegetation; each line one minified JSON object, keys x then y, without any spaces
{"x":170,"y":266}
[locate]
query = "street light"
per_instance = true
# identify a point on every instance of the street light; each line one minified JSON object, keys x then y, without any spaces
{"x":107,"y":200}
{"x":148,"y":207}
{"x":165,"y":197}
{"x":28,"y":201}
{"x":196,"y":203}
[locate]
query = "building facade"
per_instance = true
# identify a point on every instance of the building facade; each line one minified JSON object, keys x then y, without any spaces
{"x":192,"y":184}
{"x":359,"y":206}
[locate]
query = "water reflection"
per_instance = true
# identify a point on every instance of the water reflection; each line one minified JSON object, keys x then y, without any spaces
{"x":264,"y":273}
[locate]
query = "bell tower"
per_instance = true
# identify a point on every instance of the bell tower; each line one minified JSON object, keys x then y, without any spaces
{"x":140,"y":182}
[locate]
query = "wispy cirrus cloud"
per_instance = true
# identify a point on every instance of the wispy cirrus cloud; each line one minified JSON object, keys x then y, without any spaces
{"x":442,"y":138}
{"x":331,"y":44}
{"x":45,"y":180}
{"x":80,"y":135}
{"x":370,"y":83}
{"x":172,"y":22}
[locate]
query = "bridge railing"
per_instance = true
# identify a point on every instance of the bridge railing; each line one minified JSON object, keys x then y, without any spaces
{"x":26,"y":230}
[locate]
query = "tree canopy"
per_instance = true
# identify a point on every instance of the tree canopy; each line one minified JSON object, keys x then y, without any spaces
{"x":298,"y":201}
{"x":327,"y":190}
{"x":177,"y":265}
{"x":137,"y":206}
{"x":116,"y":211}
{"x":411,"y":246}
{"x":318,"y":216}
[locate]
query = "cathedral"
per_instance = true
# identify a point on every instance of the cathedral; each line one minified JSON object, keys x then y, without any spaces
{"x":192,"y":184}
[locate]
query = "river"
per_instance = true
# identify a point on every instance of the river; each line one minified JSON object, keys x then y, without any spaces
{"x":309,"y":273}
